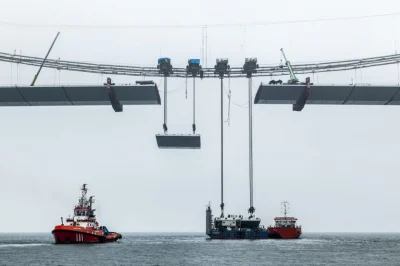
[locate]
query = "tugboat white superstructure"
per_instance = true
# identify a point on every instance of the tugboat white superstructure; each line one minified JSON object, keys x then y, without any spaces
{"x":83,"y":226}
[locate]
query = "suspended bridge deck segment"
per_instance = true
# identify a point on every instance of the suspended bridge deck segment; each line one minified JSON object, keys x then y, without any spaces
{"x":78,"y":95}
{"x":182,"y":141}
{"x":299,"y":95}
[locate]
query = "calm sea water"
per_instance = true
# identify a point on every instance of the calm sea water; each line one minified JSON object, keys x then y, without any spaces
{"x":195,"y":249}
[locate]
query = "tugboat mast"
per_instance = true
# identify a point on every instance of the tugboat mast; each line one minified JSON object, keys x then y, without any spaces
{"x":86,"y":203}
{"x":83,"y":200}
{"x":285,"y":206}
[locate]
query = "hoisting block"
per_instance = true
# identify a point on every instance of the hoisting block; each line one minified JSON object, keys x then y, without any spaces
{"x":183,"y":141}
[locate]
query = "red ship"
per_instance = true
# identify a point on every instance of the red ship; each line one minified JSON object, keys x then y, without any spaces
{"x":83,"y":227}
{"x":285,"y":227}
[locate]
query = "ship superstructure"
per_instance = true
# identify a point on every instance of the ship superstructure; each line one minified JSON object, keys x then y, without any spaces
{"x":83,"y":212}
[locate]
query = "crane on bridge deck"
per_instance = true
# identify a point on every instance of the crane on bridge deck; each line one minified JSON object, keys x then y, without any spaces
{"x":293,"y":79}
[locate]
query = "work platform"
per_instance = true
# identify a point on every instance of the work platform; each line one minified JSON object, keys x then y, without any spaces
{"x":146,"y":94}
{"x":328,"y":94}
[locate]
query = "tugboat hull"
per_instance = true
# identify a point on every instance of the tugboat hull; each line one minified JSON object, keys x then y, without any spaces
{"x":284,"y":233}
{"x":65,"y":236}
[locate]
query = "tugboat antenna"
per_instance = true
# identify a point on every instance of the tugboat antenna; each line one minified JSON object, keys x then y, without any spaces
{"x":83,"y":198}
{"x":285,"y":207}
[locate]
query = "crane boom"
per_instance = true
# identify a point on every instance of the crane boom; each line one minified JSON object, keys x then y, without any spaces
{"x":293,"y":78}
{"x":44,"y":60}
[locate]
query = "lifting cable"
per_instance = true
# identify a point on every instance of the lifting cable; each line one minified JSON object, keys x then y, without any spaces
{"x":395,"y":51}
{"x":165,"y":105}
{"x":194,"y":105}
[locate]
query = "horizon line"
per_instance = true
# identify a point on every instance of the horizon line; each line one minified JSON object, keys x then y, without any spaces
{"x":174,"y":232}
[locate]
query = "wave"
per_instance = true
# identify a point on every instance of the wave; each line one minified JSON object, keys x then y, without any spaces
{"x":23,"y":245}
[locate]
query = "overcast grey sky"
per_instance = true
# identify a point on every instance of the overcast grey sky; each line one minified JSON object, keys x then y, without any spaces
{"x":336,"y":165}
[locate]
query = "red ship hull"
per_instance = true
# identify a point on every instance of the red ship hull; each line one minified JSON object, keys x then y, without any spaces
{"x":284,"y":232}
{"x":74,"y":235}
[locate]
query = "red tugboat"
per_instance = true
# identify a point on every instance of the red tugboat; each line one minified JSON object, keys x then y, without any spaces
{"x":83,"y":227}
{"x":285,"y":227}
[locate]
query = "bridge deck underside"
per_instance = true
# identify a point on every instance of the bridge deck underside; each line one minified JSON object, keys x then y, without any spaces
{"x":77,"y":95}
{"x":329,"y":94}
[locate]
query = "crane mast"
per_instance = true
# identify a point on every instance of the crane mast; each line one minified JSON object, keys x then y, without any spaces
{"x":293,"y":79}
